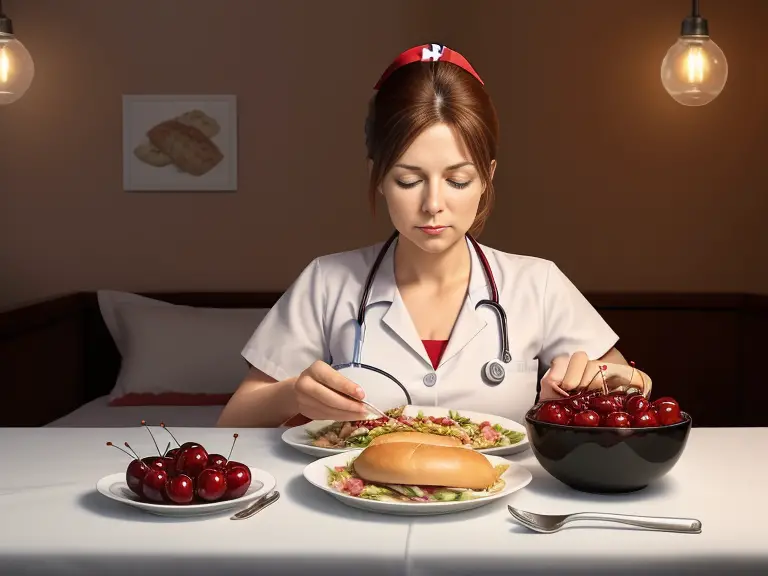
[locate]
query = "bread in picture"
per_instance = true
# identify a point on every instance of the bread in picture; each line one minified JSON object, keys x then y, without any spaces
{"x":187,"y":147}
{"x":151,"y":155}
{"x":200,"y":120}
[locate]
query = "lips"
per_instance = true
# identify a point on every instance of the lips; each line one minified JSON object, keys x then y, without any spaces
{"x":432,"y":230}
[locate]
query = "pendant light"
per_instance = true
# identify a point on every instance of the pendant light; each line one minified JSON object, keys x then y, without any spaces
{"x":694,"y":70}
{"x":16,"y":66}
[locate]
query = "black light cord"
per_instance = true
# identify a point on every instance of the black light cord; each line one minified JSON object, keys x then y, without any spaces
{"x":695,"y":25}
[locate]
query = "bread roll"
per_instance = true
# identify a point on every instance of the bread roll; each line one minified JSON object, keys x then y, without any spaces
{"x":412,"y":464}
{"x":190,"y":149}
{"x":416,"y":437}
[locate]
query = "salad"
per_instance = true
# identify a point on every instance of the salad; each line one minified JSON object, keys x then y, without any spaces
{"x":477,"y":435}
{"x":345,"y":480}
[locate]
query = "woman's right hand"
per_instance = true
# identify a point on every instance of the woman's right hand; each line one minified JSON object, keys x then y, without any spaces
{"x":316,"y":399}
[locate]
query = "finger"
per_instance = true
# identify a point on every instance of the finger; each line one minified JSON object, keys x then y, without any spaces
{"x":316,"y":410}
{"x":327,"y":376}
{"x":591,"y":379}
{"x":575,"y":372}
{"x":557,"y":369}
{"x":550,"y":388}
{"x":308,"y":388}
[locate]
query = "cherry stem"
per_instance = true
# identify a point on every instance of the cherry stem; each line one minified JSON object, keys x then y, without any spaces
{"x":144,"y":423}
{"x":162,"y":425}
{"x":632,"y":374}
{"x":233,"y":446}
{"x":605,"y":386}
{"x":593,"y":379}
{"x":166,"y":449}
{"x":132,"y":450}
{"x":121,"y":450}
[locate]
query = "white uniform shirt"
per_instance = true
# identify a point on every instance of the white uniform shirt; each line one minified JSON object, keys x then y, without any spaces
{"x":547,"y":317}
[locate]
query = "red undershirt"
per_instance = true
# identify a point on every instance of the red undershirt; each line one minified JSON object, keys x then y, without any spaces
{"x":435,"y":350}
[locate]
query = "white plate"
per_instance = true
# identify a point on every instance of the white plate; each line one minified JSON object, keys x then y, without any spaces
{"x":297,"y":437}
{"x":516,"y":478}
{"x":115,"y":487}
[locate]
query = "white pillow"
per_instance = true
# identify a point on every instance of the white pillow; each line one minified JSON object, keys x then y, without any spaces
{"x":173,"y":354}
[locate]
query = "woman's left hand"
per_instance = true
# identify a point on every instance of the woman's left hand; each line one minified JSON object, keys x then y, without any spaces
{"x":567,"y":373}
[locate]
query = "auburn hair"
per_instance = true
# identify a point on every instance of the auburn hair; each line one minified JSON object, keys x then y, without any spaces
{"x":419,"y":95}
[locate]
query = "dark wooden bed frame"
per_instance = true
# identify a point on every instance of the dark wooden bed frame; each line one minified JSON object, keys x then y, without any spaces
{"x":703,"y":349}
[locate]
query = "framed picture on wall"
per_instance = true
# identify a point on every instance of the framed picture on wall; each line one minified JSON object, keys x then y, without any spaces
{"x":180,"y":143}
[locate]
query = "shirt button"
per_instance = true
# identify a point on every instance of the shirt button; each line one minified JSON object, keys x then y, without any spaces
{"x":430,"y":379}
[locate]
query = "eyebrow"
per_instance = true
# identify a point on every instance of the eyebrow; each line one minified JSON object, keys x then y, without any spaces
{"x":451,"y":167}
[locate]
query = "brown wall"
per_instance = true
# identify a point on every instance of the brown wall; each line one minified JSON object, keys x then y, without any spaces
{"x":599,"y":169}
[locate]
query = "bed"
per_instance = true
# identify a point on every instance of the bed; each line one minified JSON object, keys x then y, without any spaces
{"x":98,"y":413}
{"x":111,"y":359}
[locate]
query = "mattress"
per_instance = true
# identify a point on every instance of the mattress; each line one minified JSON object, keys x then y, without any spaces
{"x":98,"y":414}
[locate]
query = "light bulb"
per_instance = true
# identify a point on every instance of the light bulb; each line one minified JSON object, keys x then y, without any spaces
{"x":17,"y":69}
{"x":694,"y":70}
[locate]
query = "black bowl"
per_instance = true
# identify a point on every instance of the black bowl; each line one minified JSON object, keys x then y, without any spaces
{"x":607,"y":460}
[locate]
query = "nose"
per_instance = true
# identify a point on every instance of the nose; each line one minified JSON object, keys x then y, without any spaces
{"x":434,"y":201}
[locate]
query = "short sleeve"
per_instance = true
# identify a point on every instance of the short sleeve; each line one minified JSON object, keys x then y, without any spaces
{"x":571,"y":323}
{"x":292,"y":334}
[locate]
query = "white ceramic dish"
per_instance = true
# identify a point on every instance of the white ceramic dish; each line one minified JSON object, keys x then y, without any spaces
{"x":115,"y":488}
{"x":516,"y":478}
{"x":298,"y":438}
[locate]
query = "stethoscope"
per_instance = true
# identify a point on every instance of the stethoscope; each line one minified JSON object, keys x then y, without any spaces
{"x":493,"y":371}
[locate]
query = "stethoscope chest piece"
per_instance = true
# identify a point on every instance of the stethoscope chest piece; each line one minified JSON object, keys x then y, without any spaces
{"x":494,"y":372}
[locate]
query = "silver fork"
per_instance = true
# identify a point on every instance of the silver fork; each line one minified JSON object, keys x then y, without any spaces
{"x":547,"y":523}
{"x":368,"y":405}
{"x":257,"y":506}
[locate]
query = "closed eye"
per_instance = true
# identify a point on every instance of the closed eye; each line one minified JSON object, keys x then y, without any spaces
{"x":453,"y":183}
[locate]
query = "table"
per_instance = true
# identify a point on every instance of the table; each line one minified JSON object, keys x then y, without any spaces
{"x":720,"y":479}
{"x":68,"y":528}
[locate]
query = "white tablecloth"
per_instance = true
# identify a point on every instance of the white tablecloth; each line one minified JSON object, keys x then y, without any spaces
{"x":68,"y":528}
{"x":721,"y":479}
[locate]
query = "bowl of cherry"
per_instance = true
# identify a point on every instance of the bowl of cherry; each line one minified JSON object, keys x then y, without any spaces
{"x":186,"y":476}
{"x":614,"y":442}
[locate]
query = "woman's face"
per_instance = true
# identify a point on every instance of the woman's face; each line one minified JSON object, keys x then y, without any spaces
{"x":434,"y":190}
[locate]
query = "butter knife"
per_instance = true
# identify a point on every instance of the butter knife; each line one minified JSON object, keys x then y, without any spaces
{"x":257,"y":506}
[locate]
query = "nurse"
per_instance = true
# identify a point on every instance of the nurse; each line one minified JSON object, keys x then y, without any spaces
{"x":431,"y":136}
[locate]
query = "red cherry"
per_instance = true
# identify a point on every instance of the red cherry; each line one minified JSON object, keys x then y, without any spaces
{"x":216,"y":461}
{"x":172,"y":453}
{"x":575,"y":403}
{"x":619,"y":398}
{"x":552,"y":413}
{"x":618,"y":420}
{"x":238,"y":481}
{"x":191,"y":460}
{"x":664,"y":400}
{"x":136,"y":471}
{"x":603,"y":405}
{"x":668,"y":414}
{"x":637,"y":404}
{"x":211,"y":484}
{"x":645,"y":419}
{"x":586,"y":418}
{"x":153,"y":487}
{"x":134,"y":476}
{"x":180,"y":489}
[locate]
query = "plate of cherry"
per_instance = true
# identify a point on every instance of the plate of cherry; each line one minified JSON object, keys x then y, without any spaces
{"x":185,"y":481}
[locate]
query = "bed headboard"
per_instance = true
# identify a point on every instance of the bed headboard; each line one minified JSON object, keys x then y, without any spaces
{"x":57,"y":354}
